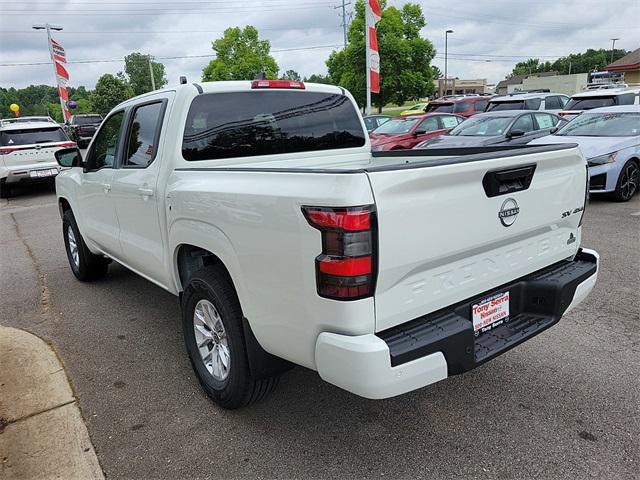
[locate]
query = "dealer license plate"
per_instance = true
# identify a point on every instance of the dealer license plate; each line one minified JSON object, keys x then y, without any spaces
{"x":43,"y":173}
{"x":490,"y":312}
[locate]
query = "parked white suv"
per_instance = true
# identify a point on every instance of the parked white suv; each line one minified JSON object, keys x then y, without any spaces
{"x":27,"y":151}
{"x":288,"y":241}
{"x":550,"y":102}
{"x":600,"y":98}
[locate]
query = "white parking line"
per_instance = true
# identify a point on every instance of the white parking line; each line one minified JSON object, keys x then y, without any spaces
{"x":637,"y":214}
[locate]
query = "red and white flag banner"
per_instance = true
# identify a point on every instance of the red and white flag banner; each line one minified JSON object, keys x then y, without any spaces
{"x":59,"y":56}
{"x":373,"y":15}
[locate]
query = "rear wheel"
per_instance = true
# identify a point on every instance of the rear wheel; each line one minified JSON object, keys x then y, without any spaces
{"x":628,"y":181}
{"x":212,"y":326}
{"x":85,"y":265}
{"x":4,"y":190}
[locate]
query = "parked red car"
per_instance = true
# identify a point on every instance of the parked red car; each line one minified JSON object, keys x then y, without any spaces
{"x":401,"y":133}
{"x":463,"y":105}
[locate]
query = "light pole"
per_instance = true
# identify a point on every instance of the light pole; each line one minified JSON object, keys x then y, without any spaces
{"x":613,"y":46}
{"x":446,"y":53}
{"x":48,"y":27}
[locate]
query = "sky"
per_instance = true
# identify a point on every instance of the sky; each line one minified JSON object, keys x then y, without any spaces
{"x":489,"y":36}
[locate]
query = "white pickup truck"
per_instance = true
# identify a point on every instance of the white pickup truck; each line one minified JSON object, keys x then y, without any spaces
{"x":288,"y":241}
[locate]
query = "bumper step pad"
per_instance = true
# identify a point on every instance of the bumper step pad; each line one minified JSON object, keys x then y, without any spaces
{"x":537,"y":301}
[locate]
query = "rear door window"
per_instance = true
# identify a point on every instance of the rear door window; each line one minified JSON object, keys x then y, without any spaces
{"x":626,"y":98}
{"x":481,"y":105}
{"x":461,"y":107}
{"x":429,"y":125}
{"x":31,"y":136}
{"x":524,"y":123}
{"x":440,"y":107}
{"x":239,"y":124}
{"x":552,"y":103}
{"x":515,"y":105}
{"x":449,"y":121}
{"x":544,"y":121}
{"x":588,"y":103}
{"x":532,"y":104}
{"x":143,"y":135}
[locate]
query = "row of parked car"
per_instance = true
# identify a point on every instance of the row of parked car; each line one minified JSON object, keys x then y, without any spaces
{"x":609,"y":133}
{"x":28,"y":144}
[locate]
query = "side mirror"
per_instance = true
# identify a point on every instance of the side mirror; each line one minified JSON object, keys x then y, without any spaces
{"x":515,"y":133}
{"x":553,"y":130}
{"x":419,"y":132}
{"x":69,"y":157}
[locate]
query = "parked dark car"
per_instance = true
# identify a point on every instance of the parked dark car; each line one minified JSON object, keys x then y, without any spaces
{"x":82,"y":127}
{"x":509,"y":127}
{"x":374,"y":121}
{"x":402,"y":133}
{"x":464,"y":105}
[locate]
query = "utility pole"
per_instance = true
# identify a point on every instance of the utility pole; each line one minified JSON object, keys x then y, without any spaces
{"x":446,"y":58}
{"x":48,"y":27}
{"x":153,"y":80}
{"x":368,"y":68}
{"x":613,"y":46}
{"x":343,"y":6}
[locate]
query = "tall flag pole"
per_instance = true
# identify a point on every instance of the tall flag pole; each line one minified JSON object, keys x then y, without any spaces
{"x":59,"y":57}
{"x":372,"y":15}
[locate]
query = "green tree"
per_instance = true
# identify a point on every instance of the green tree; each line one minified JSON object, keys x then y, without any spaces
{"x":240,"y":55}
{"x":136,"y":67}
{"x":291,"y":75}
{"x":405,"y":57}
{"x":318,"y":78}
{"x":109,"y":92}
{"x":584,"y":62}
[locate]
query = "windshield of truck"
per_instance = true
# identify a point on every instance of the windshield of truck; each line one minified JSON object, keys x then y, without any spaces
{"x":88,"y":120}
{"x":239,"y":124}
{"x":397,"y":126}
{"x":616,"y":124}
{"x":482,"y":127}
{"x":440,"y":107}
{"x":31,"y":136}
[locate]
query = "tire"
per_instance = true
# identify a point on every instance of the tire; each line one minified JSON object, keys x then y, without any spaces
{"x":628,"y":180}
{"x":5,"y":192}
{"x":209,"y":302}
{"x":85,"y":265}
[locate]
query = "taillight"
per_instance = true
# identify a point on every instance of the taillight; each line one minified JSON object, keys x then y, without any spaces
{"x":277,"y":84}
{"x":67,"y":145}
{"x":6,"y":150}
{"x":346,"y":268}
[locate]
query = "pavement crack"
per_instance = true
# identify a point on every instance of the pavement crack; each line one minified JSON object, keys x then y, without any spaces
{"x":45,"y":296}
{"x":4,"y":423}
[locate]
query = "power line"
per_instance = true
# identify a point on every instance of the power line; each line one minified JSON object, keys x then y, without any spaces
{"x":178,"y":57}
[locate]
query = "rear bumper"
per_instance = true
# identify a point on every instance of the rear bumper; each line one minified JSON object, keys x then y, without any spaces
{"x":22,"y":174}
{"x":430,"y":348}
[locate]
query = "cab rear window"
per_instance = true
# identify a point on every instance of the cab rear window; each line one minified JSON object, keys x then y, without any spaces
{"x":239,"y":124}
{"x":31,"y":136}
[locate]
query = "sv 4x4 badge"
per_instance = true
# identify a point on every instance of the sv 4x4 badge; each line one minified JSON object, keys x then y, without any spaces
{"x":508,"y":212}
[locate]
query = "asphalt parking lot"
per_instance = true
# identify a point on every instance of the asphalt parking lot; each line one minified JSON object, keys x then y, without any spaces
{"x":563,"y":405}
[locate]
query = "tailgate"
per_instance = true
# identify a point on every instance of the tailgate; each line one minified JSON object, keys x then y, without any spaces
{"x":447,"y":231}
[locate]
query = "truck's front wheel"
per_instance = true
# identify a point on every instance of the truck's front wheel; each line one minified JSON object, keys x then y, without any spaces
{"x":212,"y":325}
{"x":85,"y":265}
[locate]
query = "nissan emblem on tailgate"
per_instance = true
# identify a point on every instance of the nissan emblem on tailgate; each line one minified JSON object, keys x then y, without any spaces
{"x":508,"y":212}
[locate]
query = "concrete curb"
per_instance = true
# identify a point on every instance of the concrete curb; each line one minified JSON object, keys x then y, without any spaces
{"x":42,"y":433}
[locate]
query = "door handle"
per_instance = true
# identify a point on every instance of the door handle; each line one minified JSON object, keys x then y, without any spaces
{"x":145,"y":192}
{"x":106,"y":187}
